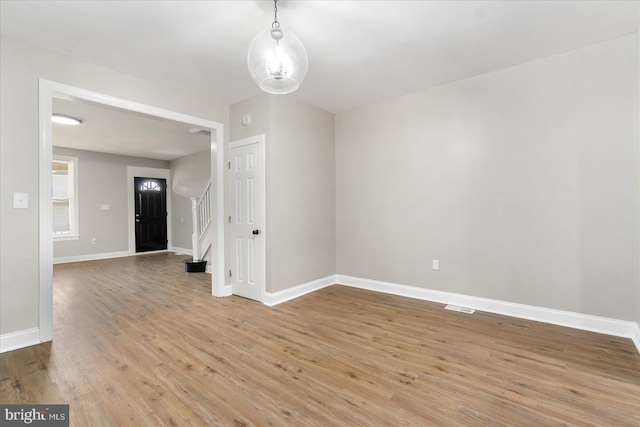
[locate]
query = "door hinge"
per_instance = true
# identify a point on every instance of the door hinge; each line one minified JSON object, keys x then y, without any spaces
{"x":229,"y":219}
{"x":229,"y":165}
{"x":230,"y":275}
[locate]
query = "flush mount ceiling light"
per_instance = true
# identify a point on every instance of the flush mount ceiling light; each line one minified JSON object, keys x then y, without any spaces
{"x":277,"y":59}
{"x":61,"y":119}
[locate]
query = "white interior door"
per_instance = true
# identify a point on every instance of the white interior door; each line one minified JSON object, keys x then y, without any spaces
{"x":246,"y":217}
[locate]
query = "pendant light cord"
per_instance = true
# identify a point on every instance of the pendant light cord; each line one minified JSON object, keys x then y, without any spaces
{"x":275,"y":23}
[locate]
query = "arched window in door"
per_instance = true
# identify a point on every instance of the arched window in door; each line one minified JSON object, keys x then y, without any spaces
{"x":150,"y":186}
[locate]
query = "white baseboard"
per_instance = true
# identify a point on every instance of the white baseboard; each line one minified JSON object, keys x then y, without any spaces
{"x":279,"y":297}
{"x":181,"y":251}
{"x":586,"y":322}
{"x":109,"y":255}
{"x":19,"y":339}
{"x":90,"y":257}
{"x":227,"y":290}
{"x":636,"y":337}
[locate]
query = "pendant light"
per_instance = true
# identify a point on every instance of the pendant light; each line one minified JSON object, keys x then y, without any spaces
{"x":277,"y":59}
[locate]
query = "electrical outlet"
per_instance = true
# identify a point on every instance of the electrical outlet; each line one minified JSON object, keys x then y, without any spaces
{"x":435,"y":264}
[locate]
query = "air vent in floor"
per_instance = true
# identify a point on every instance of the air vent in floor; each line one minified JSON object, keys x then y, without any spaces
{"x":460,"y":309}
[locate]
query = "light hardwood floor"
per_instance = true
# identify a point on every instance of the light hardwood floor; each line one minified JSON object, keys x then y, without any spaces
{"x":137,"y":342}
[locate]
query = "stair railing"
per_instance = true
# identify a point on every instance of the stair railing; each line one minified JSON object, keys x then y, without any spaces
{"x":201,"y":218}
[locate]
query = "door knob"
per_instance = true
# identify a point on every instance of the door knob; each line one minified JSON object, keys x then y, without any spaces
{"x":255,"y":232}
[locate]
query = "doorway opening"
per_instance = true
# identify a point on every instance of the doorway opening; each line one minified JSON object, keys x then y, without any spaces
{"x":151,"y":213}
{"x":49,"y":90}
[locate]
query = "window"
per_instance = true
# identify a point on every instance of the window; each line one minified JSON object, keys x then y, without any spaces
{"x":150,"y":186}
{"x":64,"y":188}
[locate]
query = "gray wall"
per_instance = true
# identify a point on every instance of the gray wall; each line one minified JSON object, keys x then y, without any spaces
{"x":20,"y":68}
{"x":259,"y":108}
{"x":189,"y":176}
{"x":301,"y":194}
{"x":637,"y":123}
{"x":102,"y":180}
{"x":300,"y":182}
{"x":522,"y":182}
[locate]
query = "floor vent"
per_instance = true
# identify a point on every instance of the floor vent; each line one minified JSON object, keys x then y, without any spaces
{"x":460,"y":309}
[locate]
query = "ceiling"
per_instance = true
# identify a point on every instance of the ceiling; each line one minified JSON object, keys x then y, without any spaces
{"x":360,"y":52}
{"x":115,"y":131}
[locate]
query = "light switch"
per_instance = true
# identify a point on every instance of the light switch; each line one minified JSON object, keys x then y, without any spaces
{"x":20,"y":200}
{"x":105,"y":207}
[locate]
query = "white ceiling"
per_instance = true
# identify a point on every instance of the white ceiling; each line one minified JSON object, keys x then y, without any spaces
{"x":114,"y":131}
{"x":359,"y":52}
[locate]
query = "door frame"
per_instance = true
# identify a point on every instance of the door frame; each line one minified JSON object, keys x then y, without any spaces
{"x":132,"y":172}
{"x":257,"y":139}
{"x":47,"y":90}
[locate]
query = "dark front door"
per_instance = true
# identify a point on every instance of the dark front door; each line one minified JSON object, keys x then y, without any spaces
{"x":151,"y":214}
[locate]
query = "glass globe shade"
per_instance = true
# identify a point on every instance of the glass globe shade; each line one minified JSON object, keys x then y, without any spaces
{"x":277,"y":61}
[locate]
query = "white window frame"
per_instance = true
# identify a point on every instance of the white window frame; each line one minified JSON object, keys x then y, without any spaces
{"x":73,"y":200}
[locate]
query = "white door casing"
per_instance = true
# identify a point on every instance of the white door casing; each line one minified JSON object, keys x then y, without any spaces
{"x":246,"y":189}
{"x":47,"y":91}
